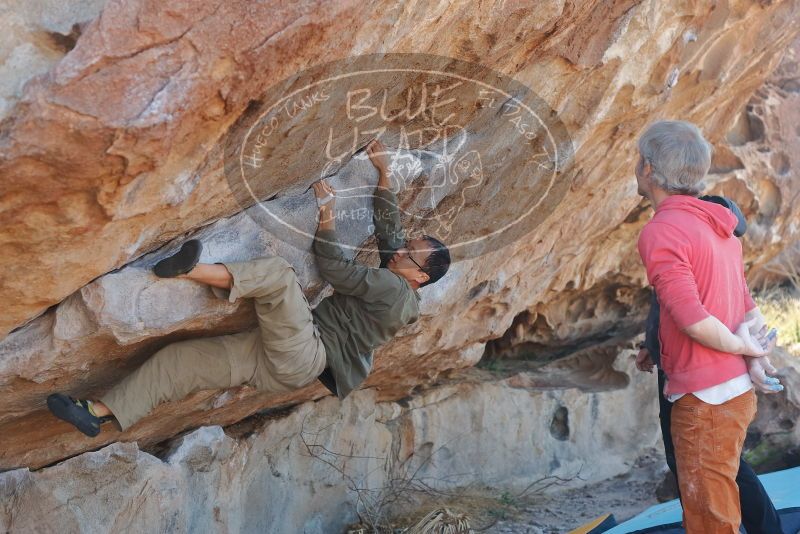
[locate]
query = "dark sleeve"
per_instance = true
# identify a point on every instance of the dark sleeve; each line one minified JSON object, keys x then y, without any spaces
{"x":386,"y":218}
{"x":351,"y":278}
{"x":651,"y":341}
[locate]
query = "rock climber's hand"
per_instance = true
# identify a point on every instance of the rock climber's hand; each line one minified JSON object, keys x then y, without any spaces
{"x":326,"y":200}
{"x":326,"y":196}
{"x":644,"y":362}
{"x":378,"y":156}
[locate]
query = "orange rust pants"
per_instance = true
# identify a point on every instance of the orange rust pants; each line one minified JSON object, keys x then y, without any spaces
{"x":708,"y":443}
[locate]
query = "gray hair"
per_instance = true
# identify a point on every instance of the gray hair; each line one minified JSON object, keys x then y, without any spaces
{"x":678,"y":154}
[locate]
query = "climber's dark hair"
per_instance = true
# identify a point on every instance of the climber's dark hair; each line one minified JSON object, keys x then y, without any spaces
{"x":438,"y":261}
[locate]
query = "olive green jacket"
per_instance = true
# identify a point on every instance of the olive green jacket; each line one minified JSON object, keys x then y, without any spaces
{"x":369,"y":305}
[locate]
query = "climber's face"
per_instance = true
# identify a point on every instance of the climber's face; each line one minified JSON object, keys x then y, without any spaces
{"x":409,"y":261}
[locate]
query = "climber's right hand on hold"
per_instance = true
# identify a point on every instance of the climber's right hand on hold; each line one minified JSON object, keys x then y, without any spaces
{"x":378,"y":156}
{"x":325,"y":194}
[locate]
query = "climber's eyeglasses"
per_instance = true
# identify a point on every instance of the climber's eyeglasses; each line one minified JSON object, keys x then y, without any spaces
{"x":408,"y":254}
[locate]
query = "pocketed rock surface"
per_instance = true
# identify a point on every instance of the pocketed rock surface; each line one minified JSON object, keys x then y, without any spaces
{"x":111,"y":154}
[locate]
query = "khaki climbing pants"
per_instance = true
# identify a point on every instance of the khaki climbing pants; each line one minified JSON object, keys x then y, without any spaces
{"x":284,"y":352}
{"x":708,"y":445}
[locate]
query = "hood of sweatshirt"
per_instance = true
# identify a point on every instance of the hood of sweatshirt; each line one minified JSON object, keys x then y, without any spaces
{"x":741,"y":226}
{"x":719,"y":218}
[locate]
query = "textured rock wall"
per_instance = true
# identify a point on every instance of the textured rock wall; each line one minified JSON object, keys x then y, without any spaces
{"x":132,"y":113}
{"x":36,"y":36}
{"x":112,"y":114}
{"x":113,"y":152}
{"x":759,"y":168}
{"x":297,"y":473}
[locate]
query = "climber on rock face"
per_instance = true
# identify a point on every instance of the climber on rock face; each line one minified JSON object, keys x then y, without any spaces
{"x":292,"y":345}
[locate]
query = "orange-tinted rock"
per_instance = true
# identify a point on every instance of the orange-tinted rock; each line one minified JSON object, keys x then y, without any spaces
{"x":115,"y":152}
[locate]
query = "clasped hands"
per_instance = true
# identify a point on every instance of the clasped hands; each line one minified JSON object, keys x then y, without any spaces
{"x":758,"y":341}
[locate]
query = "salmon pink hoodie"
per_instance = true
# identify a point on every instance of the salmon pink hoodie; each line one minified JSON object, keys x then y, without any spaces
{"x":695,"y":265}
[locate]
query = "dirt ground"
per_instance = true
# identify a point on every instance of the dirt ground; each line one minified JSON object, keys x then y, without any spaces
{"x":625,"y":496}
{"x":552,"y":511}
{"x":556,"y":511}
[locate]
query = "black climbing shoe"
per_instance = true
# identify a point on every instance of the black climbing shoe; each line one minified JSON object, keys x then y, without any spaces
{"x":181,"y":262}
{"x":75,"y":412}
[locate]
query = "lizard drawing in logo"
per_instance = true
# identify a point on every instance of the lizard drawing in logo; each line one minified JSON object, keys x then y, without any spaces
{"x":459,"y":176}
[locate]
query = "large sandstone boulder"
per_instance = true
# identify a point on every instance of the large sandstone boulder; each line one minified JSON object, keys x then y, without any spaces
{"x":118,"y":152}
{"x":331,"y":463}
{"x":328,"y":464}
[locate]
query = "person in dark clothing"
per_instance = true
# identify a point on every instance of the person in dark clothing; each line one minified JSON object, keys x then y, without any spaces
{"x":758,"y":513}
